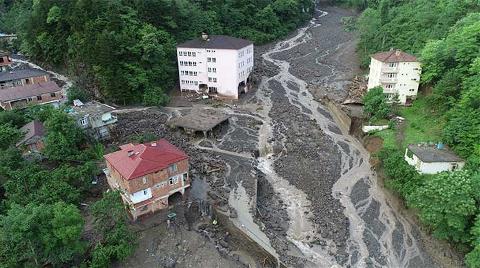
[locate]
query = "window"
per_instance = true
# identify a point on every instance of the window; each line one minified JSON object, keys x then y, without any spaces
{"x":391,"y":75}
{"x":194,"y":63}
{"x":215,"y":80}
{"x":145,"y":192}
{"x":214,"y":70}
{"x":196,"y":83}
{"x":181,"y":63}
{"x":209,"y":69}
{"x":144,"y":179}
{"x":84,"y":121}
{"x":209,"y":59}
{"x":195,"y":73}
{"x":189,"y":53}
{"x":53,"y":95}
{"x":412,"y":90}
{"x":212,"y":89}
{"x":194,"y":54}
{"x":180,"y":53}
{"x":173,"y":180}
{"x":389,"y":86}
{"x":210,"y":79}
{"x":29,"y":99}
{"x":39,"y":97}
{"x":189,"y":63}
{"x":393,"y":64}
{"x":184,"y":177}
{"x":214,"y":59}
{"x":172,"y":168}
{"x":190,"y":73}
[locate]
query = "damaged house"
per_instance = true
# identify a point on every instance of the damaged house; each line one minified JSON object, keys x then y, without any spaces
{"x":94,"y":117}
{"x":147,"y":175}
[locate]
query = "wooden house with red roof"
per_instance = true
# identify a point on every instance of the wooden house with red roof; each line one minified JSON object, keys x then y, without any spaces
{"x":147,"y":175}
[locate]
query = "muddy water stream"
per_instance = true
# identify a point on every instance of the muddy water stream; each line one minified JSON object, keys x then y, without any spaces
{"x":378,"y":236}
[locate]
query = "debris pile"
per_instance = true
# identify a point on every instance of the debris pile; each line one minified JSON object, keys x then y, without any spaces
{"x":356,"y":90}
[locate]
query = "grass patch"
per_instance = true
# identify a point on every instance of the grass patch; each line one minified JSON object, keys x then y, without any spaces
{"x":388,"y":137}
{"x":422,"y":125}
{"x":379,"y":122}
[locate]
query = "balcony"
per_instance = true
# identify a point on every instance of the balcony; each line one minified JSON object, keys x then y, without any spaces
{"x":388,"y":80}
{"x":389,"y":69}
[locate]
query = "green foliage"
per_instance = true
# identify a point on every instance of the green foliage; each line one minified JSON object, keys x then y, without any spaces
{"x":126,"y":49}
{"x":35,"y":235}
{"x":403,"y":178}
{"x":111,"y":221}
{"x":473,"y":258}
{"x":447,"y":202}
{"x":13,"y":117}
{"x":375,"y":104}
{"x":64,"y":138}
{"x":76,"y":93}
{"x":9,"y":135}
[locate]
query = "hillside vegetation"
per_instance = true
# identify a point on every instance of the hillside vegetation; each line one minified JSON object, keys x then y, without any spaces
{"x":445,"y":35}
{"x":126,"y":49}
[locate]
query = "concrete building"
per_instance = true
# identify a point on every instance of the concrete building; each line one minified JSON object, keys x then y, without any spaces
{"x":215,"y":64}
{"x":5,"y":61}
{"x":33,"y":139}
{"x":431,"y":159}
{"x":22,"y":77}
{"x":94,"y":117}
{"x":147,"y":175}
{"x":22,"y":96}
{"x":397,"y":72}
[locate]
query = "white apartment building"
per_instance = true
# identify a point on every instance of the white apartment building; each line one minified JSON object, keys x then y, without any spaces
{"x":215,"y":64}
{"x":397,"y":72}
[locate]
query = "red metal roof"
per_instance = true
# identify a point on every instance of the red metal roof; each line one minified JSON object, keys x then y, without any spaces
{"x":133,"y":161}
{"x":394,"y":56}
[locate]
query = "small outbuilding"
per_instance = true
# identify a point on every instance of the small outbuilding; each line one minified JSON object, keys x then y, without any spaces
{"x":432,"y":159}
{"x":33,"y":139}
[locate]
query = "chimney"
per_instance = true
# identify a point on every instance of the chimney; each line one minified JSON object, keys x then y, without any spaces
{"x":130,"y":153}
{"x":391,"y":49}
{"x":204,"y":36}
{"x":397,"y":52}
{"x":154,"y":144}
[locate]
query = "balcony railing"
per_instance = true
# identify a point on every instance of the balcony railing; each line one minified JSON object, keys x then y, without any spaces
{"x":388,"y":80}
{"x":390,"y":69}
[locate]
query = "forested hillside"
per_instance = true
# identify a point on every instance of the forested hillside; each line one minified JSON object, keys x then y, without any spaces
{"x":126,"y":49}
{"x":445,"y":35}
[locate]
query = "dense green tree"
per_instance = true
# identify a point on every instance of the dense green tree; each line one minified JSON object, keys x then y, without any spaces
{"x":9,"y":135}
{"x":111,"y":221}
{"x":448,"y":203}
{"x":38,"y":235}
{"x":375,"y":104}
{"x":473,"y":258}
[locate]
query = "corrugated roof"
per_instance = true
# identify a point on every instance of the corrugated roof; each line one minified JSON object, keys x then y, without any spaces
{"x":431,"y":154}
{"x":32,"y":129}
{"x":394,"y":56}
{"x":21,"y":74}
{"x":217,"y":42}
{"x":145,"y":159}
{"x":23,"y":92}
{"x":91,"y":108}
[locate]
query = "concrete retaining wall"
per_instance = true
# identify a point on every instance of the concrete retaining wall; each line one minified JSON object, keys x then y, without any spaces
{"x":343,"y":120}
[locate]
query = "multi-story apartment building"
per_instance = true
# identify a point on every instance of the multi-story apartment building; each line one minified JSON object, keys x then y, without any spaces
{"x":147,"y":175}
{"x":215,"y":64}
{"x":397,"y":72}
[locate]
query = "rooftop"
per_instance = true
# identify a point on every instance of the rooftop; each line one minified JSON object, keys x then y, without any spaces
{"x":133,"y":161}
{"x":4,"y":53}
{"x":394,"y":56}
{"x":32,"y":129}
{"x":200,"y":119}
{"x":23,"y":92}
{"x":21,"y":74}
{"x":217,"y":42}
{"x":430,"y":154}
{"x":91,"y":108}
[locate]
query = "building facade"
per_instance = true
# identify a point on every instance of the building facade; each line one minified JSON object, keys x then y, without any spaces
{"x":147,"y":175}
{"x":22,"y":77}
{"x":5,"y":61}
{"x":23,"y":96}
{"x":429,"y":159}
{"x":215,"y":64}
{"x":94,"y":117}
{"x":397,"y":72}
